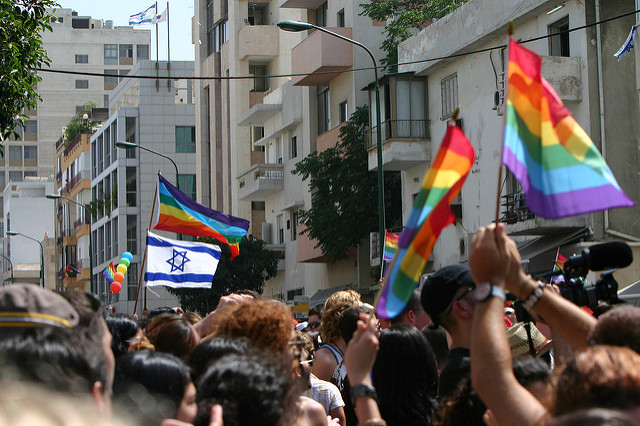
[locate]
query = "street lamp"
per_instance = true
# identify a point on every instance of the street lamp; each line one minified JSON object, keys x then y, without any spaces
{"x":88,"y":213}
{"x":294,"y":26}
{"x":10,"y":265}
{"x":41,"y":253}
{"x":126,"y":145}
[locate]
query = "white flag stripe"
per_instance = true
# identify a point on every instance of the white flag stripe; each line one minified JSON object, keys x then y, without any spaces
{"x":144,"y":17}
{"x":180,"y":263}
{"x":628,"y":44}
{"x":161,"y":17}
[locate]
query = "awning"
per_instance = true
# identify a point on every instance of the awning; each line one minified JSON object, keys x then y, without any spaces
{"x":631,"y":294}
{"x":322,"y":295}
{"x":532,"y":248}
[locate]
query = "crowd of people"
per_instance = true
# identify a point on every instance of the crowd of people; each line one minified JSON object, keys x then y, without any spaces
{"x":458,"y":354}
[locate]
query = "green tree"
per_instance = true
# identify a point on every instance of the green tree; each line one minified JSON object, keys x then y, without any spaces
{"x":345,"y":193}
{"x":21,"y":55}
{"x":403,"y":18}
{"x":249,"y":270}
{"x":77,"y":124}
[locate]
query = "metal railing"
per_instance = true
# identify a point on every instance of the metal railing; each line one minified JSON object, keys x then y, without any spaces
{"x":399,"y":129}
{"x":83,"y":174}
{"x":514,"y":208}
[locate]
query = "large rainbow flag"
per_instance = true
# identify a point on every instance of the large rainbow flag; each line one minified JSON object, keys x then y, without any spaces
{"x":175,"y":212}
{"x":559,"y":168}
{"x":431,"y":213}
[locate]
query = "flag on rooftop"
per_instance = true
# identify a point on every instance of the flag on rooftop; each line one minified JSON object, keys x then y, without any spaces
{"x":560,"y":170}
{"x":628,"y":44}
{"x":180,"y":264}
{"x":431,"y":213}
{"x":145,"y":17}
{"x":175,"y":212}
{"x":161,"y":17}
{"x":108,"y":272}
{"x":390,"y":246}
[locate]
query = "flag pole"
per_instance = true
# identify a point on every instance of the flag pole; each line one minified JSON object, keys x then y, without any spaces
{"x":157,"y":54}
{"x":504,"y":124}
{"x":144,"y":257}
{"x":168,"y":52}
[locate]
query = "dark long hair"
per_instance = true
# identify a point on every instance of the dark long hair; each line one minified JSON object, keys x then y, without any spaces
{"x":405,"y":375}
{"x":122,"y":328}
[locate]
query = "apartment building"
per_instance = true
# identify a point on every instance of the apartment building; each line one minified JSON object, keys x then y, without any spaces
{"x":159,"y":116}
{"x":253,"y":131}
{"x":601,"y":92}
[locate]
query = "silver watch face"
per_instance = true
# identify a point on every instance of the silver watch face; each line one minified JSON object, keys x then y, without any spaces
{"x":483,"y":291}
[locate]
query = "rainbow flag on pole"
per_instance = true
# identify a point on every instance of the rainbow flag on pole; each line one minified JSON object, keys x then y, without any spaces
{"x":175,"y":212}
{"x":108,"y":272}
{"x":559,"y":168}
{"x":390,"y":246}
{"x":431,"y":213}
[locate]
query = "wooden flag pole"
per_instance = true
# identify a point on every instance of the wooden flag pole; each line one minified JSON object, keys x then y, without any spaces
{"x":144,"y":257}
{"x":504,"y":125}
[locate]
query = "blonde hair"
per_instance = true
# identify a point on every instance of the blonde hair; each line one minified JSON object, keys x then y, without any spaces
{"x":333,"y":307}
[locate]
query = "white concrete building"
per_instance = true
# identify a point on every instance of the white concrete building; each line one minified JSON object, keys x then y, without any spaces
{"x":601,"y":92}
{"x":158,"y":116}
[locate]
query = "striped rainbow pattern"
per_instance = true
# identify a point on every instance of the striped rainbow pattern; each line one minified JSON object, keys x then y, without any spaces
{"x":108,"y":272}
{"x":430,"y":215}
{"x":175,"y":212}
{"x":390,"y":246}
{"x":559,"y":168}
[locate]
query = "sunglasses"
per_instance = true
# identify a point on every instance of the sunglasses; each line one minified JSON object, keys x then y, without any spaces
{"x":462,"y":296}
{"x":314,"y":324}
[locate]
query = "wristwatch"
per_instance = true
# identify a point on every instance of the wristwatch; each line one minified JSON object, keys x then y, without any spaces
{"x":486,"y":290}
{"x":362,"y":390}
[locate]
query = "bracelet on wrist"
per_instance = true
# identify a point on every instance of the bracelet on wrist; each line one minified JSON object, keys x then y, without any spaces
{"x":362,"y":390}
{"x":534,"y":297}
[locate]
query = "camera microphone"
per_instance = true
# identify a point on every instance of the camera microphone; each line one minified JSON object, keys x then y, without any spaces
{"x":598,"y":257}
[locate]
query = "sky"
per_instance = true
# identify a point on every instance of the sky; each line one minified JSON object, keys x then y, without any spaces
{"x":180,"y":14}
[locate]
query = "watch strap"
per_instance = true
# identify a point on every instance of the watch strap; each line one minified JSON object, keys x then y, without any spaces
{"x":362,"y":390}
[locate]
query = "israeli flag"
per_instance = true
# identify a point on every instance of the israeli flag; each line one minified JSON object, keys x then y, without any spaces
{"x":628,"y":44}
{"x":145,"y":17}
{"x":180,"y":264}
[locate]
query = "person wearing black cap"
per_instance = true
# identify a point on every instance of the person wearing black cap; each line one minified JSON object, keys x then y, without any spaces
{"x":446,"y":298}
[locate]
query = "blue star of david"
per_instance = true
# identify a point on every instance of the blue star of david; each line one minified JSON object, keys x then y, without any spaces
{"x":178,"y":260}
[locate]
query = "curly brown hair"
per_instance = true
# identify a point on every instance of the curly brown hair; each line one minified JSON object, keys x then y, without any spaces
{"x":265,"y":323}
{"x":333,"y":307}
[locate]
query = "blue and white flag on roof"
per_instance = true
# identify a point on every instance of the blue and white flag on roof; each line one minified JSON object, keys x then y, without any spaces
{"x":145,"y":17}
{"x":628,"y":44}
{"x":180,"y":264}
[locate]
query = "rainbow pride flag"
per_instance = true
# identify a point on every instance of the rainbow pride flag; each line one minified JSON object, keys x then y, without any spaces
{"x":175,"y":212}
{"x":431,"y":213}
{"x":559,"y":168}
{"x":108,"y":272}
{"x":390,"y":246}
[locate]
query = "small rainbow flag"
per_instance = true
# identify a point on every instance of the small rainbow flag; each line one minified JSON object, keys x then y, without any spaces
{"x":431,"y":213}
{"x":175,"y":212}
{"x":108,"y":272}
{"x":559,"y":168}
{"x":390,"y":246}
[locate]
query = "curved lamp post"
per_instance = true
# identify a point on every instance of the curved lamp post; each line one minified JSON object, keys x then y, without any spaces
{"x":87,"y":212}
{"x":126,"y":145}
{"x":294,"y":26}
{"x":12,"y":233}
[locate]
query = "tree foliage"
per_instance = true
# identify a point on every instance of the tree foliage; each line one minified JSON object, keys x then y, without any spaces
{"x":344,"y":193}
{"x":21,"y":54}
{"x":77,"y":124}
{"x":403,"y":18}
{"x":249,"y":270}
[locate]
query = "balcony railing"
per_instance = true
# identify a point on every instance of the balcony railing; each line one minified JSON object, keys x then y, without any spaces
{"x":399,"y":129}
{"x":261,"y":180}
{"x":514,"y":208}
{"x":83,"y":174}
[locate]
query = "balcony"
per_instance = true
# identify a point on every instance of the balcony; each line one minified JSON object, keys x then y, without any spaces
{"x":520,"y":221}
{"x":259,"y":114}
{"x":75,"y":180}
{"x":405,"y":144}
{"x":328,"y":139}
{"x":258,"y":43}
{"x":565,"y":76}
{"x":321,"y":53}
{"x":260,"y":181}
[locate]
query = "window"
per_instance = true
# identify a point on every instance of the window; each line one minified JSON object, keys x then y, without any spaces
{"x":132,"y":187}
{"x":132,"y":281}
{"x":259,"y":82}
{"x":341,"y":18}
{"x":293,"y":293}
{"x":210,"y":28}
{"x":142,"y":51}
{"x":132,"y":234}
{"x":126,"y":54}
{"x":185,"y":139}
{"x":15,"y":156}
{"x":280,"y":221}
{"x":15,"y":176}
{"x":111,"y":54}
{"x":31,"y":156}
{"x":110,"y":79}
{"x":321,"y":15}
{"x":449,"y":94}
{"x":278,"y":150}
{"x":324,"y":120}
{"x":187,"y":184}
{"x":344,"y":112}
{"x":80,"y":23}
{"x":559,"y":44}
{"x":257,"y":13}
{"x":293,"y":152}
{"x":256,"y":133}
{"x":294,"y":226}
{"x":82,"y":84}
{"x":82,"y":59}
{"x":31,"y":127}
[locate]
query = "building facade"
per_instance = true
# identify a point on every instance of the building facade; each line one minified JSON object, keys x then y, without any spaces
{"x":159,"y":116}
{"x":581,"y":67}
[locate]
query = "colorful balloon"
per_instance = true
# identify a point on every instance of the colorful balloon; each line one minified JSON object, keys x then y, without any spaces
{"x":122,"y":268}
{"x":118,"y":277}
{"x":124,"y":261}
{"x":115,"y":287}
{"x":128,"y":256}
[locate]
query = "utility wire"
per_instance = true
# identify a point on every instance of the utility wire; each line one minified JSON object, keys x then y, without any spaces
{"x":420,"y":61}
